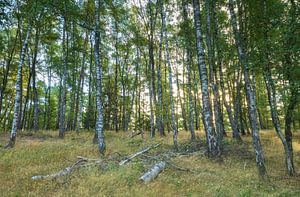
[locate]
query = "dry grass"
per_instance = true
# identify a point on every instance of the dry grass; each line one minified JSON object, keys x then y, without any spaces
{"x":233,"y":175}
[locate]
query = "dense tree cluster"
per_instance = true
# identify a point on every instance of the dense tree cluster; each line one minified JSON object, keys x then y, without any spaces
{"x":218,"y":66}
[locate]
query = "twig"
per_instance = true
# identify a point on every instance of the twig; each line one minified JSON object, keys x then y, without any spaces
{"x":136,"y":134}
{"x":180,"y":168}
{"x":87,"y":159}
{"x":137,"y":154}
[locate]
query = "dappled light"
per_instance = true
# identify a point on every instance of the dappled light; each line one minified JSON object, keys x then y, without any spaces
{"x":149,"y":98}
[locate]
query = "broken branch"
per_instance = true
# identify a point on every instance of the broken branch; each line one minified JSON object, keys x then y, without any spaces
{"x":137,"y":154}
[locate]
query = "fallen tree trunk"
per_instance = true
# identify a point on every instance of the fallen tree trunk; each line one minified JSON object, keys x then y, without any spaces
{"x":137,"y":154}
{"x":63,"y":172}
{"x":153,"y":172}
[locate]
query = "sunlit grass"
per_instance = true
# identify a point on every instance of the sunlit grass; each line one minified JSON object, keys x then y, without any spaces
{"x":233,"y":175}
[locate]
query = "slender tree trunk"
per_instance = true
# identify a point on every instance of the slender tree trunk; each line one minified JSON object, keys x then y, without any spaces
{"x":99,"y":121}
{"x":59,"y":102}
{"x":238,"y":117}
{"x":89,"y":111}
{"x":18,"y":96}
{"x":164,"y":29}
{"x":160,"y":122}
{"x":6,"y":110}
{"x":21,"y":102}
{"x":150,"y":66}
{"x":21,"y":89}
{"x":35,"y":92}
{"x":293,"y":83}
{"x":209,"y":5}
{"x":116,"y":91}
{"x":288,"y":133}
{"x":6,"y":121}
{"x":250,"y":94}
{"x":72,"y":104}
{"x":81,"y":84}
{"x":261,"y":122}
{"x":48,"y":124}
{"x":132,"y":96}
{"x":48,"y":97}
{"x":213,"y":148}
{"x":139,"y":110}
{"x":62,"y":104}
{"x":188,"y":49}
{"x":242,"y":127}
{"x":167,"y":117}
{"x":25,"y":110}
{"x":275,"y":118}
{"x":197,"y":114}
{"x":236,"y":103}
{"x":7,"y":69}
{"x":124,"y":80}
{"x":183,"y":113}
{"x":233,"y":123}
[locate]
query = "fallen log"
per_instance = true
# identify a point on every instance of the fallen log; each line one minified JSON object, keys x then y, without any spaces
{"x":137,"y":154}
{"x":60,"y":173}
{"x":63,"y":172}
{"x":153,"y":172}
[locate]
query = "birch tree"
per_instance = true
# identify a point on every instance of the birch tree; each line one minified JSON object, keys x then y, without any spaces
{"x":211,"y":136}
{"x":250,"y":94}
{"x":13,"y":134}
{"x":165,"y":36}
{"x":99,"y":121}
{"x":62,"y":102}
{"x":209,"y":8}
{"x":189,"y":58}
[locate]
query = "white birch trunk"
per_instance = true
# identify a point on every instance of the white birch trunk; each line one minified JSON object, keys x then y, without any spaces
{"x":99,"y":120}
{"x":153,"y":172}
{"x":211,"y":137}
{"x":250,"y":94}
{"x":18,"y":96}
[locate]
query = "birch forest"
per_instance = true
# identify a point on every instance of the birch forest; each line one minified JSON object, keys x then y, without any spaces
{"x":149,"y":98}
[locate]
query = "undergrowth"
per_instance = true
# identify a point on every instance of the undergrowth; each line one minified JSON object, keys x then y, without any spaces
{"x":234,"y":174}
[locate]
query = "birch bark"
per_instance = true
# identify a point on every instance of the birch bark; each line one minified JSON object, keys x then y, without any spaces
{"x":211,"y":137}
{"x":99,"y":120}
{"x":16,"y":114}
{"x":250,"y":94}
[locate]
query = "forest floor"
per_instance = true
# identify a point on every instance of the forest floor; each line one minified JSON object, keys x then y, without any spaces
{"x":234,"y":174}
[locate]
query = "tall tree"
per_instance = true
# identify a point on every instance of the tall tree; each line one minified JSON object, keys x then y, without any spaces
{"x":13,"y":134}
{"x":35,"y":92}
{"x":165,"y":36}
{"x":209,"y":7}
{"x":99,"y":122}
{"x":250,"y":94}
{"x":160,"y":122}
{"x":152,"y":19}
{"x":189,"y":58}
{"x":292,"y":74}
{"x":63,"y":82}
{"x":213,"y":148}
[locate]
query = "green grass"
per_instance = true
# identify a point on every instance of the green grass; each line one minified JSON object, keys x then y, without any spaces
{"x":233,"y":175}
